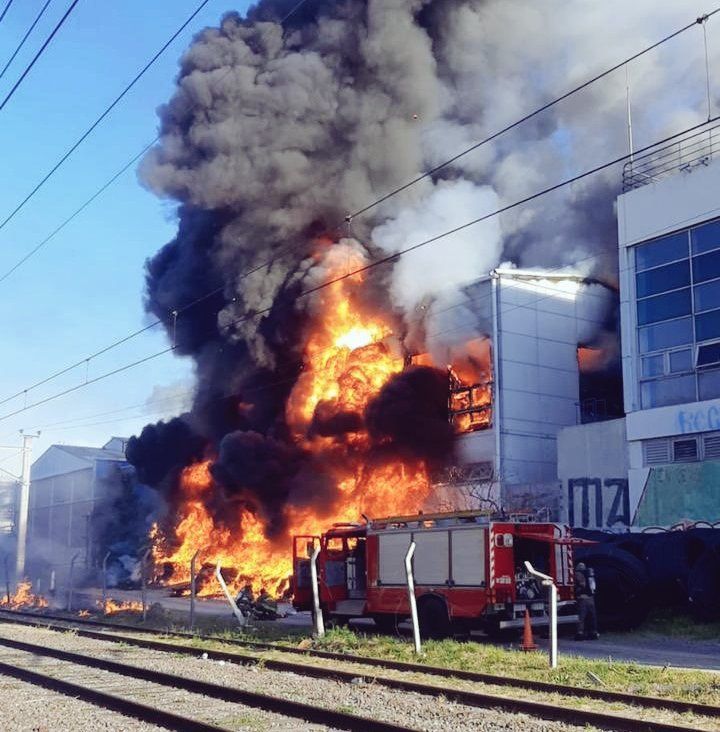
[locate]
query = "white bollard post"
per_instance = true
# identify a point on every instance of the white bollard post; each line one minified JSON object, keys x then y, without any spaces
{"x":548,"y":582}
{"x":411,"y":596}
{"x":317,"y":612}
{"x":236,"y":611}
{"x":553,"y":624}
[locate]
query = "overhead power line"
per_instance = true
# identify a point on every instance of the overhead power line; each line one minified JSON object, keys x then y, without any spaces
{"x":371,"y":265}
{"x":383,"y":198}
{"x":40,"y":52}
{"x":530,"y":115}
{"x":75,"y":214}
{"x":25,"y":37}
{"x":257,"y":268}
{"x":98,"y":121}
{"x":5,"y":10}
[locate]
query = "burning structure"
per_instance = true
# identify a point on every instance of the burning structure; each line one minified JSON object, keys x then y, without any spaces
{"x":334,"y":376}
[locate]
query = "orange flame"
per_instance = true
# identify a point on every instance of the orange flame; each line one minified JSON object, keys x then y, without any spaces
{"x":348,"y":358}
{"x":112,"y":607}
{"x":23,"y":597}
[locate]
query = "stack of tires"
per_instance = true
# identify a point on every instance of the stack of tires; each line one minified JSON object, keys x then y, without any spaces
{"x":638,"y":571}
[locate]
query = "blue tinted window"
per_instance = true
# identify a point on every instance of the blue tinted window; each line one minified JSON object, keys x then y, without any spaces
{"x":707,"y":326}
{"x":664,"y":307}
{"x":662,"y":279}
{"x":709,"y":384}
{"x":705,"y":237}
{"x":681,"y":361}
{"x":706,"y":267}
{"x":664,"y":335}
{"x":661,"y":251}
{"x":666,"y":391}
{"x":707,"y":296}
{"x":653,"y":365}
{"x":708,"y":355}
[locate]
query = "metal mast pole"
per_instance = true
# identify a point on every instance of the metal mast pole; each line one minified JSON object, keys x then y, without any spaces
{"x":23,"y":507}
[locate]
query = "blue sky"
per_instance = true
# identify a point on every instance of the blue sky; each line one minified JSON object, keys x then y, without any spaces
{"x":83,"y":290}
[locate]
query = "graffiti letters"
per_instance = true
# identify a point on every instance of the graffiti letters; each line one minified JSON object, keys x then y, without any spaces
{"x":704,"y":419}
{"x":592,"y":495}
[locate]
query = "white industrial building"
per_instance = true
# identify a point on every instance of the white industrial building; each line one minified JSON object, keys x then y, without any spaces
{"x":535,"y":322}
{"x":668,"y":447}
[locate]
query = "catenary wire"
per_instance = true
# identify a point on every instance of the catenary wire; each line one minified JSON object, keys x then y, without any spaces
{"x":39,"y":53}
{"x":431,"y":336}
{"x":99,"y":120}
{"x":90,"y":200}
{"x":493,"y":136}
{"x":76,"y":213}
{"x":5,"y":10}
{"x":25,"y":37}
{"x":371,"y":265}
{"x":428,"y":173}
{"x":259,"y":267}
{"x":475,"y":146}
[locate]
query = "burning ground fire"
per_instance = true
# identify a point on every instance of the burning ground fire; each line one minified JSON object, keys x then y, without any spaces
{"x":23,"y":597}
{"x":349,"y":355}
{"x":111,"y":607}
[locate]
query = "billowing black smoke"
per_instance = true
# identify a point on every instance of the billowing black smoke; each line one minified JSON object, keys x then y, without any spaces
{"x":410,"y":414}
{"x":278,"y":130}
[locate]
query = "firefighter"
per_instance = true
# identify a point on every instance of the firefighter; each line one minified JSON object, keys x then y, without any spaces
{"x":245,"y":599}
{"x":585,"y":599}
{"x":266,"y":606}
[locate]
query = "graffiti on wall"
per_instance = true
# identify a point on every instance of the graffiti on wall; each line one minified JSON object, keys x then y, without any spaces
{"x":676,"y":493}
{"x":597,"y":502}
{"x":701,"y":419}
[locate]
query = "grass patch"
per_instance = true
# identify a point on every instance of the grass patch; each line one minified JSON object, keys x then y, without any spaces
{"x":697,"y":686}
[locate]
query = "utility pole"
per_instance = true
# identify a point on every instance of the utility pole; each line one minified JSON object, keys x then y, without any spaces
{"x":23,"y":505}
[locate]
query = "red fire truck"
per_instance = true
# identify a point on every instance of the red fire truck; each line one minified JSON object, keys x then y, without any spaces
{"x":468,"y":568}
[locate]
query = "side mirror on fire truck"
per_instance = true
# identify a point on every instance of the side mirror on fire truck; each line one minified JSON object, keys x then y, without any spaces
{"x":309,"y":548}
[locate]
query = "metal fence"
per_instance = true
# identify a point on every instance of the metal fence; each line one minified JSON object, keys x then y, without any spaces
{"x":684,"y":154}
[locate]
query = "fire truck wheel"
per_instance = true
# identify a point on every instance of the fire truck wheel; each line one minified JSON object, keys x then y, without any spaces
{"x":433,"y":617}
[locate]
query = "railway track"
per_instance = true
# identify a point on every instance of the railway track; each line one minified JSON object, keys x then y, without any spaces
{"x":563,"y":711}
{"x":127,"y":703}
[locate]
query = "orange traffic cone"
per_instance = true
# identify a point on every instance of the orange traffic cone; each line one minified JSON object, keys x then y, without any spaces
{"x":528,"y":644}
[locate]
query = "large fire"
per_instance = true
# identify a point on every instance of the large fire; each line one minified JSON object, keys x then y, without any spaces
{"x":348,"y":357}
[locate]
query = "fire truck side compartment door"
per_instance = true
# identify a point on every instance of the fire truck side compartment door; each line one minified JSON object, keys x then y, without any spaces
{"x":392,"y":548}
{"x":468,"y":557}
{"x":430,"y":564}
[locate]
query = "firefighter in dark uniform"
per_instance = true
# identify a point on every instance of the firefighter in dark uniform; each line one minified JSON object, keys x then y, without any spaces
{"x":585,"y":599}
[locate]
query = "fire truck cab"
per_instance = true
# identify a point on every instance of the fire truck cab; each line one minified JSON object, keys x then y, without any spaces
{"x":468,"y":568}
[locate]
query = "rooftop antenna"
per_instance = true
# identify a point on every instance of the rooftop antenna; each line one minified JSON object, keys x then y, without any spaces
{"x":629,"y":114}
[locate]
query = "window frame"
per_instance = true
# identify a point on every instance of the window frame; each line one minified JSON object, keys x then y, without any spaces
{"x":694,"y":344}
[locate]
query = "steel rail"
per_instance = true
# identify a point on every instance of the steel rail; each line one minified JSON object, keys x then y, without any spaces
{"x":650,"y":702}
{"x":103,"y":699}
{"x":470,"y":698}
{"x":278,"y":705}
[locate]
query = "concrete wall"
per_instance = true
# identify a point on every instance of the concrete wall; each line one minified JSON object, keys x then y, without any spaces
{"x":593,"y":472}
{"x":540,"y":324}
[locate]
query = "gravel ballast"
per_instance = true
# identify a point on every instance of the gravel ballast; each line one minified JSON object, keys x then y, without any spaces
{"x":365,"y":699}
